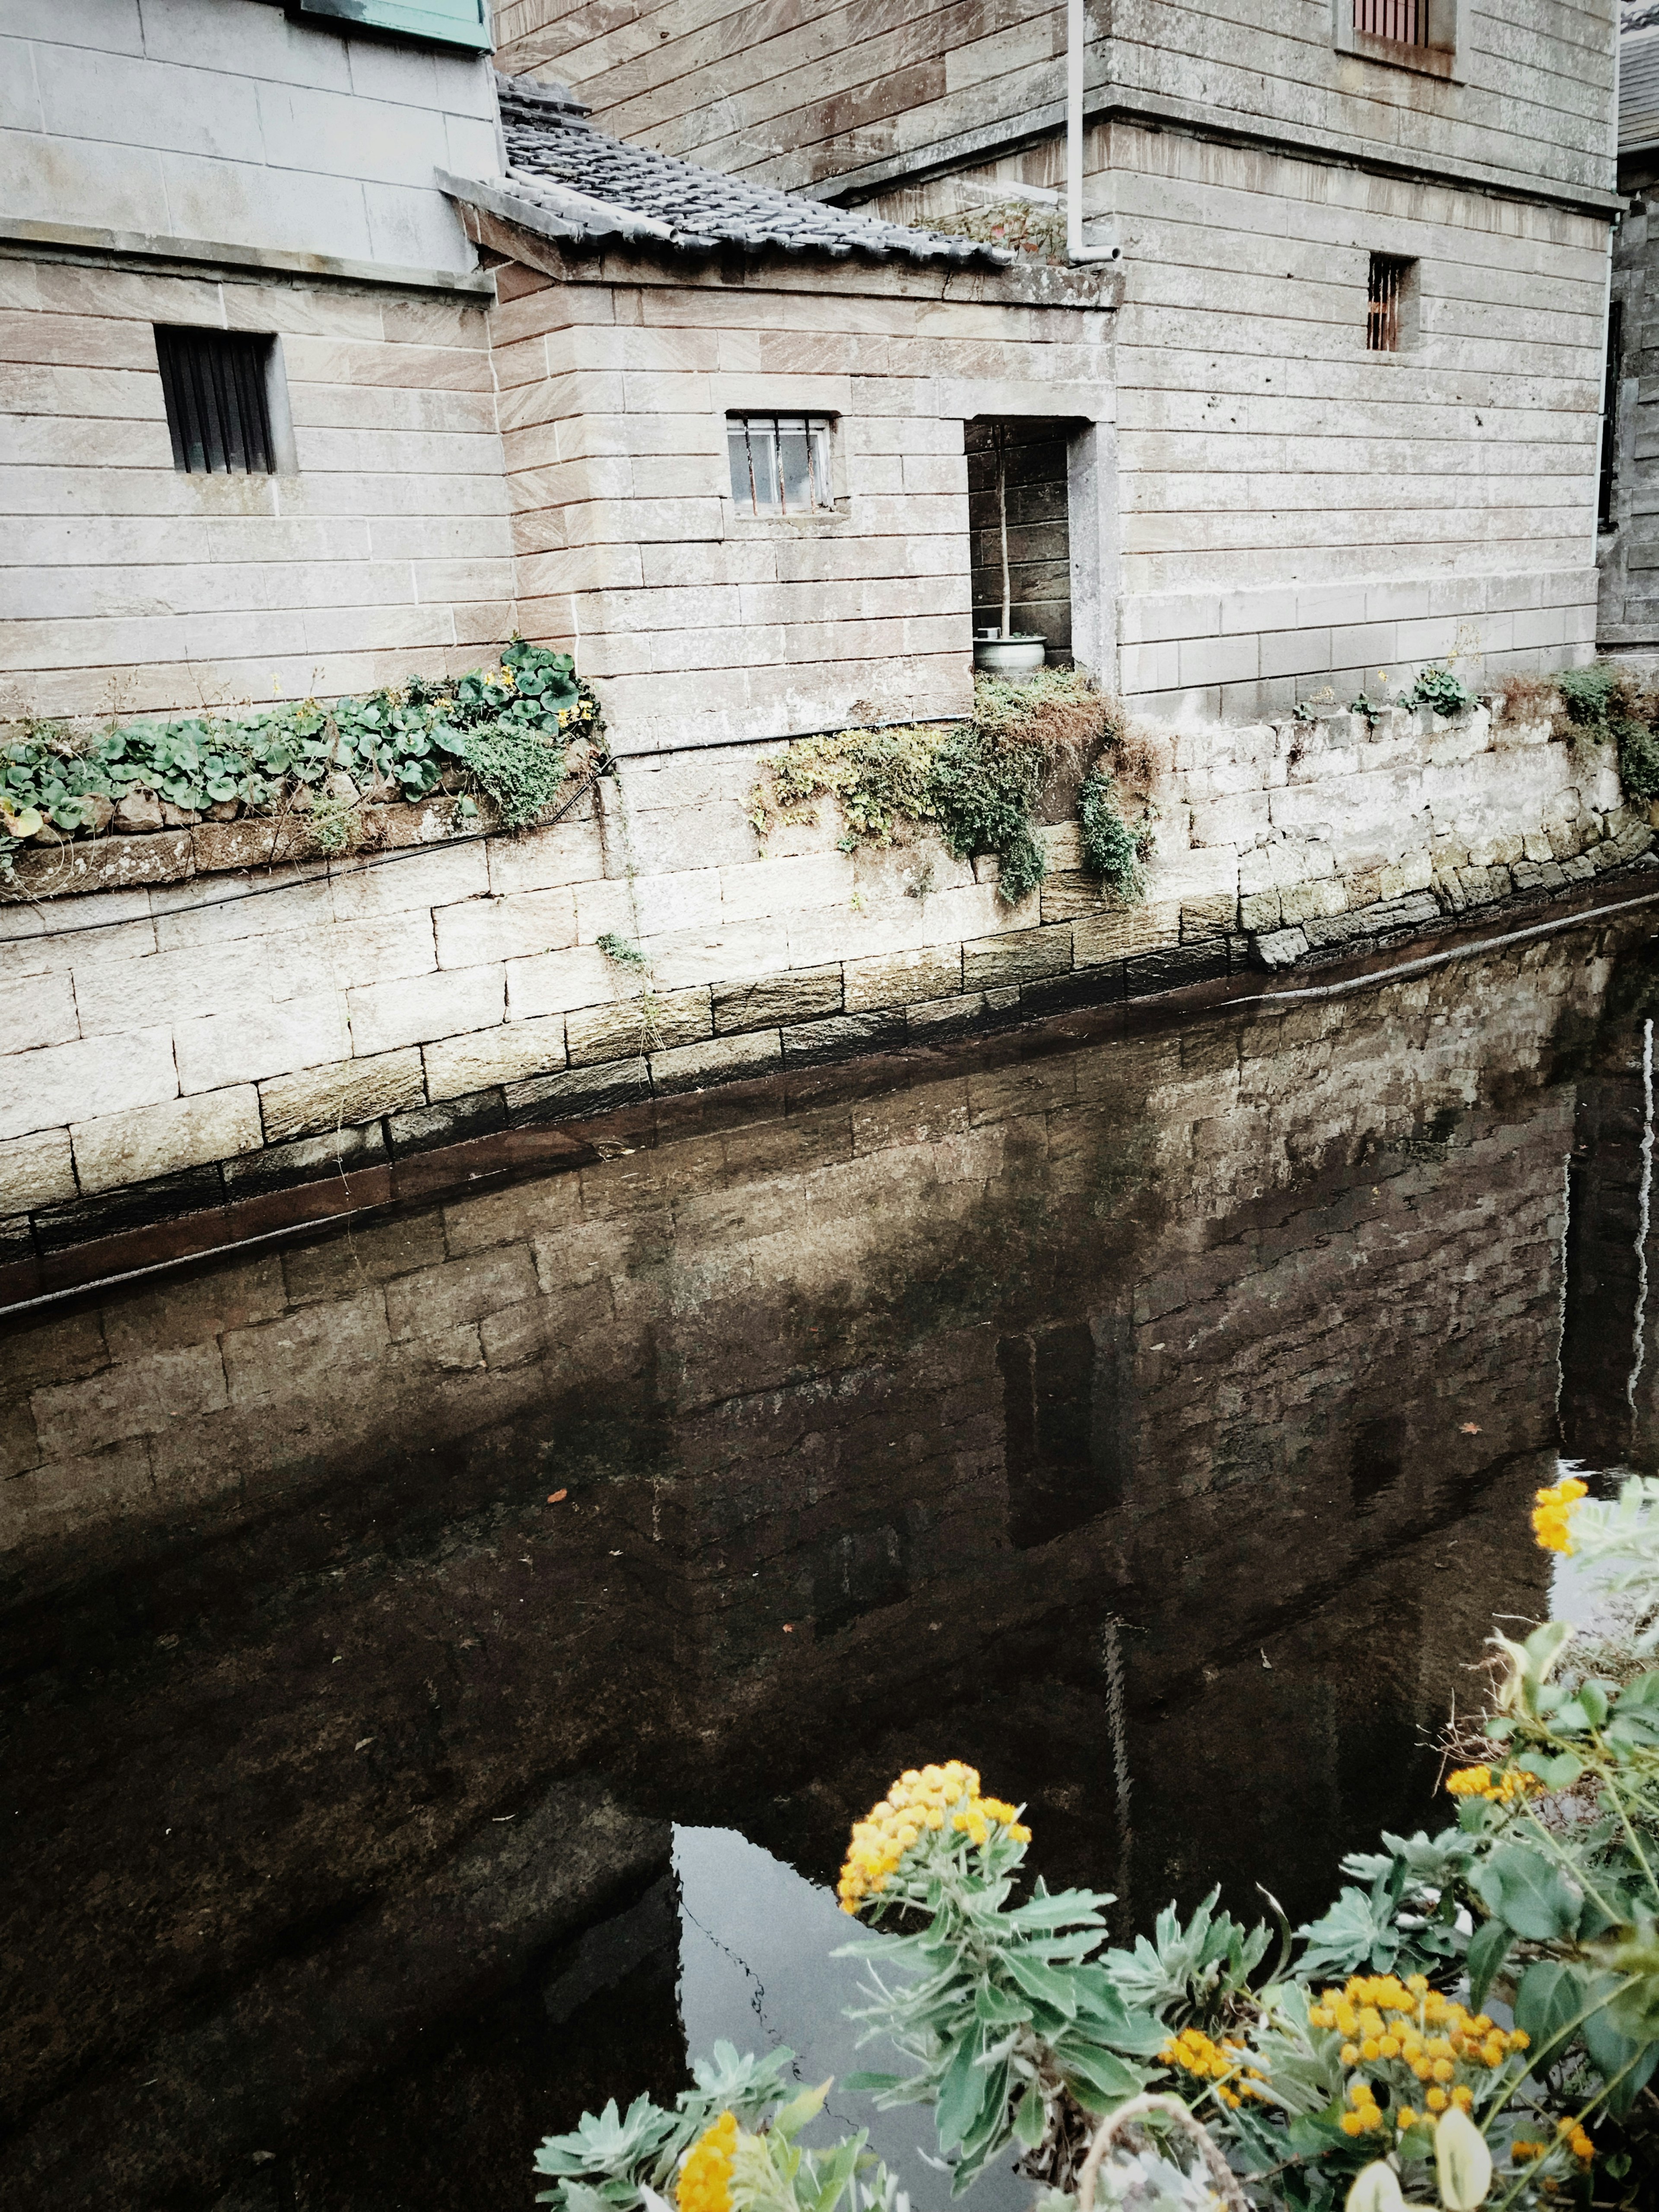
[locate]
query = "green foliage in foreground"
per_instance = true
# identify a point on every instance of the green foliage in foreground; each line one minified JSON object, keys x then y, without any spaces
{"x":504,"y":729}
{"x":979,"y":783}
{"x":1366,"y":2074}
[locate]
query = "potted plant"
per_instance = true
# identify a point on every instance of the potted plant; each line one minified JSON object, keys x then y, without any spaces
{"x":1007,"y":651}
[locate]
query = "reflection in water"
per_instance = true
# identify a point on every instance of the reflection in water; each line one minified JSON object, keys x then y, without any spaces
{"x":1145,"y":1417}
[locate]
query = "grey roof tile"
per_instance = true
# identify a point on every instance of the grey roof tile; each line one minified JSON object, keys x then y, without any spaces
{"x":599,"y":186}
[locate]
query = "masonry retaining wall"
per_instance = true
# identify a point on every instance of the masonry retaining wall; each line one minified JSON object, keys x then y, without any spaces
{"x":193,"y":1033}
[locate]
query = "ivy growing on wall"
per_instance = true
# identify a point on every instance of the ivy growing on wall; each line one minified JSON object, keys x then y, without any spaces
{"x":506,"y":732}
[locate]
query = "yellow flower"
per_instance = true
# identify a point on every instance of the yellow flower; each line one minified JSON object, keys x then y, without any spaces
{"x":924,"y":1801}
{"x":1506,"y":1789}
{"x":1552,"y":1514}
{"x":706,"y":2177}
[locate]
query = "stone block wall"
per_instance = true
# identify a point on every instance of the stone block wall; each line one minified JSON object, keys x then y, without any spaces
{"x":1628,"y":547}
{"x":195,"y":1034}
{"x":818,"y":96}
{"x":1299,"y":514}
{"x":127,"y":585}
{"x":473,"y":1301}
{"x":229,"y":122}
{"x":706,"y":625}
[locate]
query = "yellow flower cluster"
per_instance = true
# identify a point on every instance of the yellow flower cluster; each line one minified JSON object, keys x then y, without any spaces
{"x":922,"y":1799}
{"x":1507,"y":1788}
{"x":1384,"y":2021}
{"x":1552,"y":1515}
{"x":1572,"y":2137}
{"x":1222,"y":2063}
{"x":705,"y":2182}
{"x":1366,"y":2118}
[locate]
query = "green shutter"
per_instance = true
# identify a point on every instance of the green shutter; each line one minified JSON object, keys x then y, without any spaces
{"x":455,"y":22}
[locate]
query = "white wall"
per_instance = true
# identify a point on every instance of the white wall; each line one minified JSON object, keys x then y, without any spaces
{"x":224,"y":121}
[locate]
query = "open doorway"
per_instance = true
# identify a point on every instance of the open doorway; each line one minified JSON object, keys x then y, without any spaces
{"x":1019,"y":473}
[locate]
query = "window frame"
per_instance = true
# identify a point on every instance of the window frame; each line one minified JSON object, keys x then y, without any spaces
{"x":1405,"y":319}
{"x":1441,"y":58}
{"x":276,"y":426}
{"x":749,"y":513}
{"x":459,"y":26}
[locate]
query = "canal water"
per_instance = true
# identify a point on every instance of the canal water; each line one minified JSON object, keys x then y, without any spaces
{"x":444,"y":1653}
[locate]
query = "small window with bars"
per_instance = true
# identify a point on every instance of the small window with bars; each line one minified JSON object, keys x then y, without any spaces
{"x":779,"y":463}
{"x":1403,"y":23}
{"x":1386,"y":302}
{"x":217,"y":387}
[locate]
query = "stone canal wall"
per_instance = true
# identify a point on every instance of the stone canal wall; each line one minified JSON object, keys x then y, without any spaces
{"x":206,"y":1014}
{"x":692,"y":1278}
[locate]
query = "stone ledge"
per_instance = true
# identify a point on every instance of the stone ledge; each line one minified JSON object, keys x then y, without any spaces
{"x":87,"y":865}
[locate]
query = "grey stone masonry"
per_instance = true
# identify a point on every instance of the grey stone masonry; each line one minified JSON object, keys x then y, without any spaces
{"x":182,"y":1032}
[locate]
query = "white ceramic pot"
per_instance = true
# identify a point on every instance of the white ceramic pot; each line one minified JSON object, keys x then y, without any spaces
{"x":1008,"y":656}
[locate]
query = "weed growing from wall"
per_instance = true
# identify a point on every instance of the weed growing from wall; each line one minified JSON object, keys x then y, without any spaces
{"x":979,"y":783}
{"x":1442,"y":690}
{"x":1111,"y":850}
{"x":1608,"y":703}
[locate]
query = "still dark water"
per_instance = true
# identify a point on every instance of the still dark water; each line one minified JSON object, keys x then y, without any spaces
{"x":1147,"y":1415}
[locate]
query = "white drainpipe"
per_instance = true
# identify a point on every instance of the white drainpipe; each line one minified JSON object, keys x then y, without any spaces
{"x":1075,"y":248}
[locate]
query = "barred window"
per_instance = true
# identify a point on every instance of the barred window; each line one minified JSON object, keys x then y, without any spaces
{"x":779,"y":463}
{"x":216,"y":386}
{"x":1405,"y":21}
{"x":1385,"y":303}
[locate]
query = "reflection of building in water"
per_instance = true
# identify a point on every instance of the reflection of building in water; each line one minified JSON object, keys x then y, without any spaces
{"x":870,"y":1418}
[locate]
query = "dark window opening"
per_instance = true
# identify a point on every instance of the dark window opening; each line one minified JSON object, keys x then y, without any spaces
{"x":1066,"y":1395}
{"x":1385,"y":303}
{"x":1608,"y":476}
{"x":779,"y":463}
{"x":1028,"y":513}
{"x":1377,"y":1458}
{"x":216,"y":385}
{"x":1406,"y":22}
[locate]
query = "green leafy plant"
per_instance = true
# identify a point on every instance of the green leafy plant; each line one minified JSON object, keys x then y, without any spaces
{"x":610,"y":2158}
{"x":1608,"y":705}
{"x":1193,"y":1970}
{"x":1111,"y":849}
{"x":503,"y":731}
{"x":1439,"y":688}
{"x":622,"y":950}
{"x":1013,"y":2032}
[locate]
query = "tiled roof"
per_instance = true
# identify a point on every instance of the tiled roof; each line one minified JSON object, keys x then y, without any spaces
{"x":595,"y":186}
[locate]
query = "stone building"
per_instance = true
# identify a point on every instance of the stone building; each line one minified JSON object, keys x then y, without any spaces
{"x":1358,"y":360}
{"x":1345,"y":418}
{"x":442,"y":453}
{"x":1627,"y":497}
